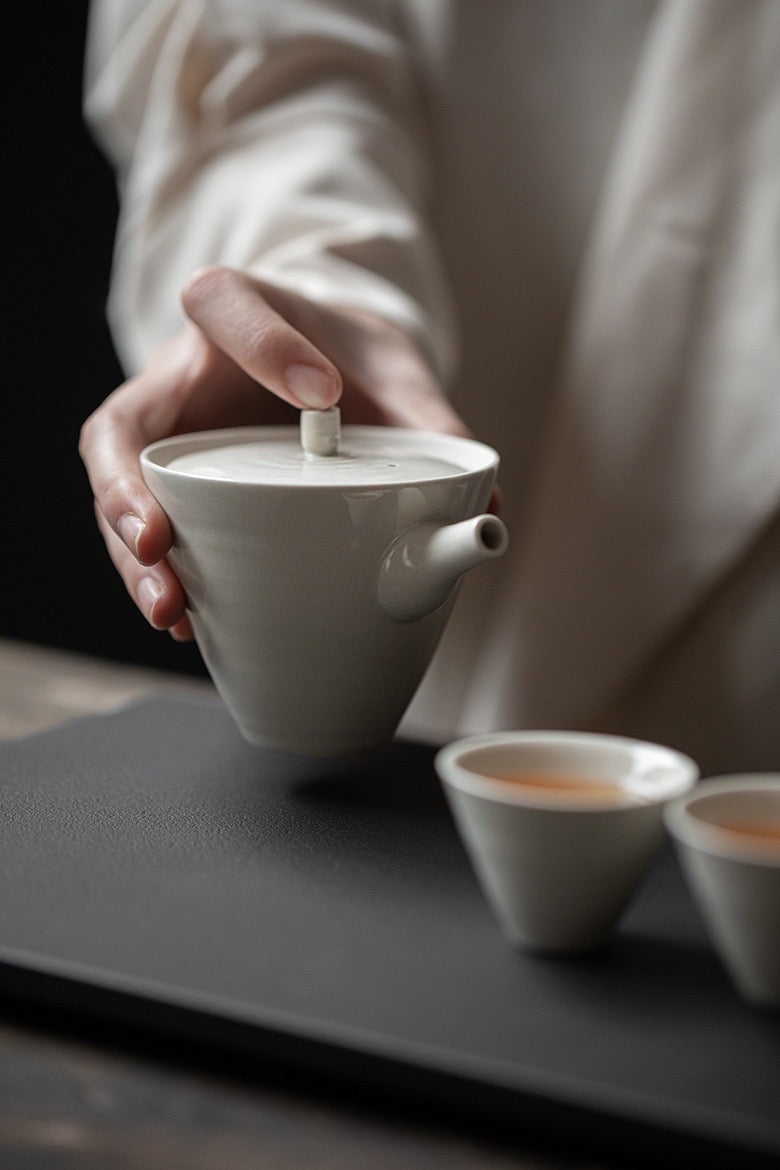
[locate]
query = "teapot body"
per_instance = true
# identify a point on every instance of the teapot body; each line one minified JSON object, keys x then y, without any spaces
{"x":282,"y":586}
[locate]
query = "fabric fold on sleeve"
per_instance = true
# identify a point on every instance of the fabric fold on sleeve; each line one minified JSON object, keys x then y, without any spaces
{"x":282,"y":140}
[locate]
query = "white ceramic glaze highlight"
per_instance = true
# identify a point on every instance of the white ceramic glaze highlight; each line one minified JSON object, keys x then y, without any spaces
{"x":313,"y":631}
{"x":735,"y":880}
{"x":557,"y":871}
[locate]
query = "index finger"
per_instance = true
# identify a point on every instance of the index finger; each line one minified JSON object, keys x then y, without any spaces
{"x":233,"y":313}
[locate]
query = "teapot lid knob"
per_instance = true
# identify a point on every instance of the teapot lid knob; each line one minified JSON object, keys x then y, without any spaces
{"x":321,"y":431}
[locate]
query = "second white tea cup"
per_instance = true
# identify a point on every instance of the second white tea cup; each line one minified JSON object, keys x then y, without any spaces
{"x":727,"y":835}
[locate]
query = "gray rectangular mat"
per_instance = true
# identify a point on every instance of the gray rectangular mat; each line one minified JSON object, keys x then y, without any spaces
{"x":160,"y":872}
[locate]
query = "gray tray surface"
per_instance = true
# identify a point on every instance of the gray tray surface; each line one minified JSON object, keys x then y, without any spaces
{"x":324,"y":911}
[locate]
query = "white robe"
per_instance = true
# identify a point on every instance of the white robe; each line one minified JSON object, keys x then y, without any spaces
{"x":575,"y":206}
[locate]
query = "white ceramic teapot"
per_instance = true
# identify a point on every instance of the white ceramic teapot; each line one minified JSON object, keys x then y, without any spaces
{"x":320,"y":566}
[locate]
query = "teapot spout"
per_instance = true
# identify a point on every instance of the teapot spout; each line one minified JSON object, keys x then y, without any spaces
{"x":423,"y":565}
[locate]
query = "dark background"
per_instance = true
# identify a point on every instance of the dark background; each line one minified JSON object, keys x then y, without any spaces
{"x":58,"y":586}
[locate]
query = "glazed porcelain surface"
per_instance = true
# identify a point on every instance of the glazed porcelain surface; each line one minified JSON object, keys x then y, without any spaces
{"x":318,"y":586}
{"x":560,"y":857}
{"x":734,"y":874}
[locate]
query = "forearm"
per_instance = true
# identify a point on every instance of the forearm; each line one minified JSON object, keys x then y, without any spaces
{"x":284,"y":140}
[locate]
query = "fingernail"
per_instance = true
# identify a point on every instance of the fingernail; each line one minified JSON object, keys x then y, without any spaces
{"x":130,"y":528}
{"x":150,"y":590}
{"x":312,"y":386}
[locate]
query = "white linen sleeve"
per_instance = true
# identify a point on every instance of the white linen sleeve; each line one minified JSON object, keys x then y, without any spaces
{"x":282,"y":137}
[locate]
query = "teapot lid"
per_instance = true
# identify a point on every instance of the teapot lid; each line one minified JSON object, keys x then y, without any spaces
{"x":321,"y":453}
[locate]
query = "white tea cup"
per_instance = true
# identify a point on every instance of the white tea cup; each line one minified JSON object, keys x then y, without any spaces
{"x":560,"y":826}
{"x":727,"y":835}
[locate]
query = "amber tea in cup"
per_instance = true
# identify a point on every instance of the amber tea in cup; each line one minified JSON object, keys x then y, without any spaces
{"x":754,"y":832}
{"x":561,"y":787}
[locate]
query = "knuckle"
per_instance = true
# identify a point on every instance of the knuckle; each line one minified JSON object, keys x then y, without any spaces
{"x":264,"y":340}
{"x":205,"y":283}
{"x":114,"y":498}
{"x":86,"y":435}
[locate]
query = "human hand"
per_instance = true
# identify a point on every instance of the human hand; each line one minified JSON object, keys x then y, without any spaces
{"x":243,"y":338}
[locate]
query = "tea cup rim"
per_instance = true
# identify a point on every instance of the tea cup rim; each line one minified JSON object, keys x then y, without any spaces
{"x":457,"y":775}
{"x":694,"y":831}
